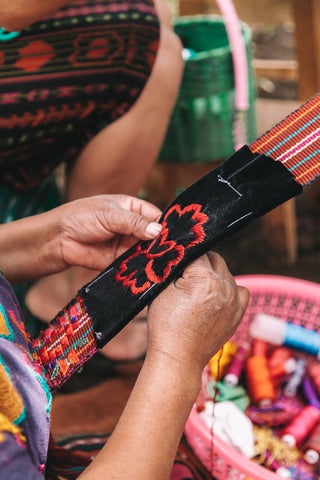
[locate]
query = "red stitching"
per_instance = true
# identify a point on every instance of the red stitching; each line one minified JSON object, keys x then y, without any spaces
{"x":130,"y":279}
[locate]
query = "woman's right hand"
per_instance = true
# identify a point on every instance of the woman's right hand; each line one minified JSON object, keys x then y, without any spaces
{"x":196,"y":314}
{"x":188,"y":322}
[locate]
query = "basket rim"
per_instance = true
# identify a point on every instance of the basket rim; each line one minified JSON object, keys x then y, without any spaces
{"x":219,"y":51}
{"x":196,"y":425}
{"x":297,"y":286}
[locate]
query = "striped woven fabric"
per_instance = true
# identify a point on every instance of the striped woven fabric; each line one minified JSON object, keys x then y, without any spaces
{"x":66,"y":344}
{"x":295,"y":142}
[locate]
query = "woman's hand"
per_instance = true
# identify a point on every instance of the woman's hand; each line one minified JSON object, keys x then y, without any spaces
{"x":196,"y":314}
{"x":89,"y":232}
{"x":188,"y":322}
{"x":95,"y":231}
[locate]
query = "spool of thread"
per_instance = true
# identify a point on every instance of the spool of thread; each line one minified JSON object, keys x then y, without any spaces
{"x":291,"y":387}
{"x":259,"y":347}
{"x":188,"y":53}
{"x":221,"y":360}
{"x":274,"y":465}
{"x":312,"y":446}
{"x":310,"y":393}
{"x":314,"y":374}
{"x":279,"y":355}
{"x":260,"y":382}
{"x":236,"y":366}
{"x":301,"y":426}
{"x":278,"y":371}
{"x":278,"y":332}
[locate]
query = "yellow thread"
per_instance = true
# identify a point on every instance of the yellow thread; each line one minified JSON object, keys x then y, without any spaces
{"x":7,"y":426}
{"x":220,"y":361}
{"x":3,"y":326}
{"x":11,"y":404}
{"x":266,"y":441}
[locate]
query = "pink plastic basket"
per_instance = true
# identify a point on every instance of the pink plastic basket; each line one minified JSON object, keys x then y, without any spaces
{"x":291,"y":299}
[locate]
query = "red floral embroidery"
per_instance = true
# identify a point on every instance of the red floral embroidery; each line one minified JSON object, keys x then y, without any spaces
{"x":152,"y":262}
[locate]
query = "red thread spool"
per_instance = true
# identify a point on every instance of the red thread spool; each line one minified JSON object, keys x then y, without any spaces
{"x":278,"y":371}
{"x":301,"y":426}
{"x":278,"y":356}
{"x":274,"y":465}
{"x":259,"y":347}
{"x":312,"y":446}
{"x":314,"y":374}
{"x":260,"y":383}
{"x":235,"y":368}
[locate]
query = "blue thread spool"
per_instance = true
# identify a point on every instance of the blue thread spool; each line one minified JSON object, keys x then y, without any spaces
{"x":278,"y":332}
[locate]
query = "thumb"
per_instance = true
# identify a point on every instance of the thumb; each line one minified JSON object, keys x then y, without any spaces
{"x":131,"y":223}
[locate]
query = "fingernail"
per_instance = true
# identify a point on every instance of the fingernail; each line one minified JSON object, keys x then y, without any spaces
{"x":153,"y":229}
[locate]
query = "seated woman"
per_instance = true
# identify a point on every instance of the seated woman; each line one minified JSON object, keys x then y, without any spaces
{"x":187,"y":324}
{"x":90,"y":84}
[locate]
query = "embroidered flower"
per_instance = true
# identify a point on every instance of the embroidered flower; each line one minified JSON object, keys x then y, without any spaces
{"x":153,"y":264}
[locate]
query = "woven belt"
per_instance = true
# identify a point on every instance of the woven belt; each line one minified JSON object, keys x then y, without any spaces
{"x":254,"y":180}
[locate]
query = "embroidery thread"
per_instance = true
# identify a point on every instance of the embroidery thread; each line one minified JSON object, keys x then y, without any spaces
{"x":153,"y":263}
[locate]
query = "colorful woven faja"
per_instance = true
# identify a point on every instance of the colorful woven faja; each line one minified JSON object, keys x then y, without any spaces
{"x":251,"y":182}
{"x":295,"y":142}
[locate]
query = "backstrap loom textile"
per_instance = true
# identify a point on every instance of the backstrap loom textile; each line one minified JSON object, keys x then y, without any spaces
{"x":248,"y":184}
{"x":65,"y":78}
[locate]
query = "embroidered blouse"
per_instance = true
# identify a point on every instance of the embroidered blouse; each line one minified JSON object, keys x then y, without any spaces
{"x":30,"y":369}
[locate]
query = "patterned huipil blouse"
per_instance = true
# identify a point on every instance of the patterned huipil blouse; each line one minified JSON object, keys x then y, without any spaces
{"x":30,"y":369}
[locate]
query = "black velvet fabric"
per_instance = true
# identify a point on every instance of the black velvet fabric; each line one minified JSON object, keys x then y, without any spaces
{"x":241,"y":189}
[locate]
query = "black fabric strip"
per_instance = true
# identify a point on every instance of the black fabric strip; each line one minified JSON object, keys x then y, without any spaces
{"x":241,"y":189}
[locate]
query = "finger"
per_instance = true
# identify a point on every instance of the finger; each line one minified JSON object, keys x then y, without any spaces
{"x":197,"y":267}
{"x":218,"y":264}
{"x":126,"y":222}
{"x":194,"y":273}
{"x":142,"y":207}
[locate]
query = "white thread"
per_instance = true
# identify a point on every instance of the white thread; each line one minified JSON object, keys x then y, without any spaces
{"x":144,"y":293}
{"x":222,"y":180}
{"x":244,"y":216}
{"x":87,"y":289}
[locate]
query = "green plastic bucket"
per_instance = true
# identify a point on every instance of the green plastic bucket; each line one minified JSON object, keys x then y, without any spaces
{"x":202,"y":122}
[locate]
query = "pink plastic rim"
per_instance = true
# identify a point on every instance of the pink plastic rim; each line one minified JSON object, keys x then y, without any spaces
{"x":288,"y":298}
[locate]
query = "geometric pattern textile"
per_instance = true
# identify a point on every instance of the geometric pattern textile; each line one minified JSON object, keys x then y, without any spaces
{"x":66,"y":344}
{"x":66,"y":77}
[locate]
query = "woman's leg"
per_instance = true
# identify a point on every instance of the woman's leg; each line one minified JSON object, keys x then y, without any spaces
{"x":118,"y":160}
{"x":120,"y":157}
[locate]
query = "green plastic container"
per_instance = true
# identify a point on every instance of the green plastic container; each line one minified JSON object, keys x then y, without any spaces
{"x":202,"y":122}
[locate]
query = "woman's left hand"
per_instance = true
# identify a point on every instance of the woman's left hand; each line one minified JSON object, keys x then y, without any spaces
{"x":98,"y":229}
{"x":89,"y":232}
